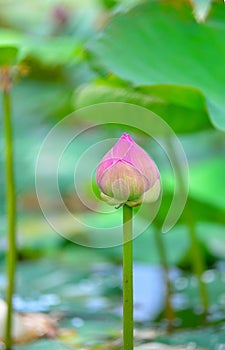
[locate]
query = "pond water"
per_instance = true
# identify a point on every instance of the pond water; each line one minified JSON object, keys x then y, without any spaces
{"x":87,"y":300}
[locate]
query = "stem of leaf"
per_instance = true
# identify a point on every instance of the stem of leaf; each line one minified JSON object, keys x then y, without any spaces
{"x":11,"y":214}
{"x":128,"y":322}
{"x":198,"y":259}
{"x":169,"y":312}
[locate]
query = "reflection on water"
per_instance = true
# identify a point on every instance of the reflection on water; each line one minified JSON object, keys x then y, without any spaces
{"x":149,"y":292}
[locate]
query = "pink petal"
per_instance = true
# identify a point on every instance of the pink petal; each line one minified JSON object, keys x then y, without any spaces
{"x":122,"y":181}
{"x":126,"y":172}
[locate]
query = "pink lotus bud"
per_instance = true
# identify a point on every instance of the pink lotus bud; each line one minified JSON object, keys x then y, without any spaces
{"x":126,"y":174}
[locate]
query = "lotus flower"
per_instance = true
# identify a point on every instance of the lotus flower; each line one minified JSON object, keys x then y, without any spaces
{"x":127,"y":175}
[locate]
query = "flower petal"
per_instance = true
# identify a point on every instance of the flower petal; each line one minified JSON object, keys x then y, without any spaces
{"x":109,"y":200}
{"x":123,"y":182}
{"x":153,"y":193}
{"x":127,"y":174}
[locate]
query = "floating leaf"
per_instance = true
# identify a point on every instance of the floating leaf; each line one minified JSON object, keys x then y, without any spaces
{"x":160,"y":346}
{"x":44,"y":345}
{"x":207,"y":338}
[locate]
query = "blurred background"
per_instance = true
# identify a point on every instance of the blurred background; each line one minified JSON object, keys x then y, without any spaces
{"x":167,"y":56}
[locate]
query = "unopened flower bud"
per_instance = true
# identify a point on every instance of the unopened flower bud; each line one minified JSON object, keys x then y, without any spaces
{"x":127,"y":175}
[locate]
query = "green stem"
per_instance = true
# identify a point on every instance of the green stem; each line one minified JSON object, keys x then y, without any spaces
{"x":169,"y":312}
{"x":198,"y":265}
{"x":11,"y":214}
{"x":198,"y":260}
{"x":128,"y":322}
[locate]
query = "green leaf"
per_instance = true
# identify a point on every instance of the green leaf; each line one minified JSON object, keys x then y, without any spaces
{"x":207,"y":212}
{"x":160,"y":42}
{"x":207,"y":338}
{"x":8,"y":55}
{"x":207,"y":181}
{"x":206,"y":192}
{"x":10,"y":47}
{"x":48,"y":51}
{"x":145,"y":246}
{"x":203,"y":211}
{"x":53,"y":52}
{"x":212,"y":235}
{"x":9,"y":37}
{"x":174,"y":104}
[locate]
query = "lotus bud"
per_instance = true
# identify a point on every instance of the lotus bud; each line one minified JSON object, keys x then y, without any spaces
{"x":127,"y":175}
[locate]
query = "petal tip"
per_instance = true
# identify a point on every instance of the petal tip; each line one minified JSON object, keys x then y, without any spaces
{"x":127,"y":137}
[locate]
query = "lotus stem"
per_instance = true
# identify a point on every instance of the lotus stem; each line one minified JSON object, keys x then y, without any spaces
{"x":11,"y":215}
{"x":169,"y":311}
{"x":128,"y":318}
{"x":197,"y":257}
{"x":198,"y":260}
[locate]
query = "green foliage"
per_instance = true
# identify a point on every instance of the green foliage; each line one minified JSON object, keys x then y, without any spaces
{"x":174,"y":105}
{"x":208,"y":338}
{"x":160,"y":43}
{"x":206,"y":181}
{"x":153,"y":54}
{"x":49,"y":52}
{"x":8,"y":55}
